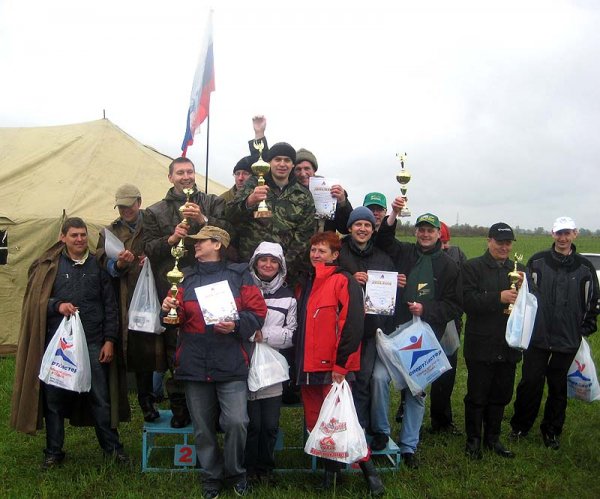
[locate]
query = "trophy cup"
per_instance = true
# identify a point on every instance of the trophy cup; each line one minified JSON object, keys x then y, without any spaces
{"x":403,"y":178}
{"x":514,"y":277}
{"x":188,"y":193}
{"x":175,"y":276}
{"x":260,"y":169}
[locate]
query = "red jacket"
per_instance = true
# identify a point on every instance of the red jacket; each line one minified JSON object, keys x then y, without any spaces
{"x":333,"y":322}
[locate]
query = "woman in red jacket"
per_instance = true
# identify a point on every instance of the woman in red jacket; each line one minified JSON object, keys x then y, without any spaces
{"x":331,"y":317}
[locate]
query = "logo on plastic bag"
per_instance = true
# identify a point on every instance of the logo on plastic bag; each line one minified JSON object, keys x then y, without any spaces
{"x":416,"y":344}
{"x":333,"y":426}
{"x":327,"y":443}
{"x":65,"y":344}
{"x":578,"y":373}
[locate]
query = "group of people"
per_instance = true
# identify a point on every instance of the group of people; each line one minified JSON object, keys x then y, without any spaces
{"x":298,"y":285}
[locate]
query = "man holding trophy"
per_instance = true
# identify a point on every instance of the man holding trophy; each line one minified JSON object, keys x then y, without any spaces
{"x":292,"y":211}
{"x":183,"y":211}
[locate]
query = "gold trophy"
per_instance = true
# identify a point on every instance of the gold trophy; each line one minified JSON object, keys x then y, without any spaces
{"x":175,"y":276}
{"x":403,"y":178}
{"x":260,"y":169}
{"x":188,"y":193}
{"x":514,"y":277}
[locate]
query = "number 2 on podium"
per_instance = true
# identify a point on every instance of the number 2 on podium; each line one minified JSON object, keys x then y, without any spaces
{"x":185,"y":455}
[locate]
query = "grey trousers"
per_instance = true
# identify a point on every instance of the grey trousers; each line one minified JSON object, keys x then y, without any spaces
{"x":204,"y":400}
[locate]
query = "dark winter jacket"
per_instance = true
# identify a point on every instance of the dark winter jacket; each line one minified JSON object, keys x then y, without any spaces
{"x":568,"y":299}
{"x":353,"y":259}
{"x":203,"y":354}
{"x":482,"y":281}
{"x":160,"y":221}
{"x":89,"y":288}
{"x":446,"y":304}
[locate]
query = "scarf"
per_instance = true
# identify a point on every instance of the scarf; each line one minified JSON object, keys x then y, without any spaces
{"x":420,"y":284}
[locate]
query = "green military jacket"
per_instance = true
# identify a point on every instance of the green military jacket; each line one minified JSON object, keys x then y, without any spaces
{"x":292,"y":224}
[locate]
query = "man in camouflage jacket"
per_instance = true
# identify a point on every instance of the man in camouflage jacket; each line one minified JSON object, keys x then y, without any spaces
{"x":292,"y":206}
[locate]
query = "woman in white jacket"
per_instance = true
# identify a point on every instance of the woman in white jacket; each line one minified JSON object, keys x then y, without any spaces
{"x":268,"y":269}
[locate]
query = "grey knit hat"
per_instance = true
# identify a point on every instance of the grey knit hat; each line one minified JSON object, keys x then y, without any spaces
{"x":361,"y":213}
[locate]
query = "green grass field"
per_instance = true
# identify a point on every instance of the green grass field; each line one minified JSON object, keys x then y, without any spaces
{"x":444,"y":472}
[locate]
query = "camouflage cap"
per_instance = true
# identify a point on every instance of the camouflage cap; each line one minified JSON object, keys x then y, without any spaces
{"x":212,"y":232}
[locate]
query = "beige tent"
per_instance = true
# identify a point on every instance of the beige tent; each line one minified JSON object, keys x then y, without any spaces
{"x":73,"y":170}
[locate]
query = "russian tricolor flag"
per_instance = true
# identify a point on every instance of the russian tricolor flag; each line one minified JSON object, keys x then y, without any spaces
{"x":204,"y":84}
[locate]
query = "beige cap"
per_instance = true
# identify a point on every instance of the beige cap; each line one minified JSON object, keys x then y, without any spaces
{"x":126,"y":195}
{"x":212,"y":232}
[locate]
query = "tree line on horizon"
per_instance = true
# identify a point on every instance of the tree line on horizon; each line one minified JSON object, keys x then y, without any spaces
{"x":465,"y":230}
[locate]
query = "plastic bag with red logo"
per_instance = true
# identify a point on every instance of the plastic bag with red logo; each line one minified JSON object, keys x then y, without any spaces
{"x":66,"y":361}
{"x":582,"y":380}
{"x":337,"y":435}
{"x":412,"y":355}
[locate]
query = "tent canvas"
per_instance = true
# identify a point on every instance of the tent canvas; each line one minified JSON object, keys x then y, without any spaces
{"x":47,"y":173}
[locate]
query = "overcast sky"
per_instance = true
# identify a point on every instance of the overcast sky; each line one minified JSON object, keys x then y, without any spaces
{"x":498,"y":108}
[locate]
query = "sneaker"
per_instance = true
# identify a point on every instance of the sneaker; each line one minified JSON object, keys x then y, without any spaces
{"x":379,"y":442}
{"x":410,"y":460}
{"x":550,"y":440}
{"x":51,"y":461}
{"x":210,"y":494}
{"x":241,"y":488}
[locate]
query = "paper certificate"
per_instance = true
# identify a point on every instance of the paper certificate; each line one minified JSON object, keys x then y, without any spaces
{"x":217,"y":303}
{"x":380,"y":292}
{"x":325,"y":203}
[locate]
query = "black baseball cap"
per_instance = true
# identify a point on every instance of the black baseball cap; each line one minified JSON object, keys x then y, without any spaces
{"x":501,"y":232}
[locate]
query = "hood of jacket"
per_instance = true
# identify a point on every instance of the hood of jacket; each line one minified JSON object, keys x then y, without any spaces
{"x":274,"y":250}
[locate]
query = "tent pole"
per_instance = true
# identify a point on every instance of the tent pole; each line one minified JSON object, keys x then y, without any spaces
{"x":206,"y":168}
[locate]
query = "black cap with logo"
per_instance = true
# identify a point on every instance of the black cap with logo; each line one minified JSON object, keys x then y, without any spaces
{"x":501,"y":232}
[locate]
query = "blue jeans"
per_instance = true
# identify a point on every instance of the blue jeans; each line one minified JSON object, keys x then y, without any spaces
{"x":380,"y":401}
{"x":58,"y":403}
{"x":204,"y":400}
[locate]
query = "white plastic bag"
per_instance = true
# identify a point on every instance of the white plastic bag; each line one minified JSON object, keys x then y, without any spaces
{"x":112,"y":245}
{"x":412,"y":355}
{"x":450,"y":342}
{"x":338,"y":434}
{"x":66,"y":361}
{"x":582,"y":380}
{"x":144,"y":309}
{"x":267,"y":367}
{"x":522,"y":318}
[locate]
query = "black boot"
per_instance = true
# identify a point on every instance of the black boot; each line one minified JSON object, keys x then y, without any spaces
{"x":332,"y":476}
{"x":473,"y":448}
{"x":148,"y":410}
{"x":181,"y":416}
{"x":374,"y":483}
{"x":497,"y":447}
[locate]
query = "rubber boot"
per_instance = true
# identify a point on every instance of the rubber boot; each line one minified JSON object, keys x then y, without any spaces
{"x":181,"y":415}
{"x":332,"y":476}
{"x":374,"y":483}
